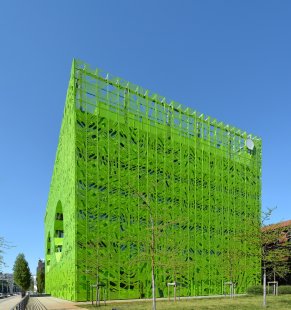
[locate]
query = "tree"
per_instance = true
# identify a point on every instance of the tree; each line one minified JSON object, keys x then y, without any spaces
{"x":97,"y":262}
{"x":274,"y":250}
{"x":21,"y":273}
{"x":40,"y":280}
{"x":31,"y":287}
{"x":3,"y":245}
{"x":159,"y":227}
{"x":233,"y":265}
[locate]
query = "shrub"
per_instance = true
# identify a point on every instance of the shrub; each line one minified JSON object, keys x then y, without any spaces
{"x":284,"y":289}
{"x":255,"y":290}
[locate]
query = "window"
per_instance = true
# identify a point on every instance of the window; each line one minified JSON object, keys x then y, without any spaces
{"x":59,"y":234}
{"x":59,"y":216}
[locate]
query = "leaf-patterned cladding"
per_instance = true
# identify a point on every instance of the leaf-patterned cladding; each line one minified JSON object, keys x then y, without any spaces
{"x":120,"y":146}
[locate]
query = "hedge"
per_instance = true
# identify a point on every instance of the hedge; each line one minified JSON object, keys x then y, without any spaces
{"x":284,"y":289}
{"x":258,"y":290}
{"x":255,"y":290}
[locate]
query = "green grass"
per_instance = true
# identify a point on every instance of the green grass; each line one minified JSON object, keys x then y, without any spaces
{"x":282,"y":302}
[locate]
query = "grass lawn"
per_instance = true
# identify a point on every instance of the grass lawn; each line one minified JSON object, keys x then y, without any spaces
{"x":282,"y":302}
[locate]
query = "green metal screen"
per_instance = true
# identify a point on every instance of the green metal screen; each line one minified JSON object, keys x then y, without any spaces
{"x":125,"y":155}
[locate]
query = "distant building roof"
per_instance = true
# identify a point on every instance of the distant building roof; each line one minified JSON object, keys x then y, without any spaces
{"x":277,"y":225}
{"x":284,"y":228}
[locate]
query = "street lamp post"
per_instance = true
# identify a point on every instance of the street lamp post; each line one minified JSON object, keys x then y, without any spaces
{"x":264,"y":287}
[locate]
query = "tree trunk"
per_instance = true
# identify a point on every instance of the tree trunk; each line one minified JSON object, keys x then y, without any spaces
{"x":153,"y":284}
{"x":97,"y":292}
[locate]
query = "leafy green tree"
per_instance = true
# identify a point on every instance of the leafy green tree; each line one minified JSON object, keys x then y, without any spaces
{"x":274,"y":250}
{"x":21,"y":273}
{"x":40,"y":280}
{"x":31,"y":287}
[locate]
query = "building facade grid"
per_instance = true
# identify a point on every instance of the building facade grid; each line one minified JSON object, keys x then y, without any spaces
{"x":126,"y":156}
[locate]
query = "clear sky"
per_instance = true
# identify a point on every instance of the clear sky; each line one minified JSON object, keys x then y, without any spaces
{"x":227,"y":59}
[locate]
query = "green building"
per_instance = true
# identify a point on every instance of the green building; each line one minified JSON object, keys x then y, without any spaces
{"x":130,"y":165}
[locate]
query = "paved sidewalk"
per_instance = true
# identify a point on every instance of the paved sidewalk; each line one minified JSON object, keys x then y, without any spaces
{"x":52,"y":303}
{"x":9,"y":302}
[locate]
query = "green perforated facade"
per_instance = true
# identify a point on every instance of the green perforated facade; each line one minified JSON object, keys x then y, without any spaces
{"x":126,"y":155}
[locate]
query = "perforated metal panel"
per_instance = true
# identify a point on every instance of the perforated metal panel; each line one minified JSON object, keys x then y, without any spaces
{"x":119,"y":143}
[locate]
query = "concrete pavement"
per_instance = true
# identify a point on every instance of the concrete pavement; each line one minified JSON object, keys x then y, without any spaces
{"x":9,"y":302}
{"x":50,"y":303}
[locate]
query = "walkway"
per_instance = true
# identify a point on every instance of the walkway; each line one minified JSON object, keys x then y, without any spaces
{"x":50,"y":303}
{"x":9,"y":302}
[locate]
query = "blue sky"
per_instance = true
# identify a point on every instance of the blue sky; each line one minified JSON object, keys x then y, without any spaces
{"x":227,"y":59}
